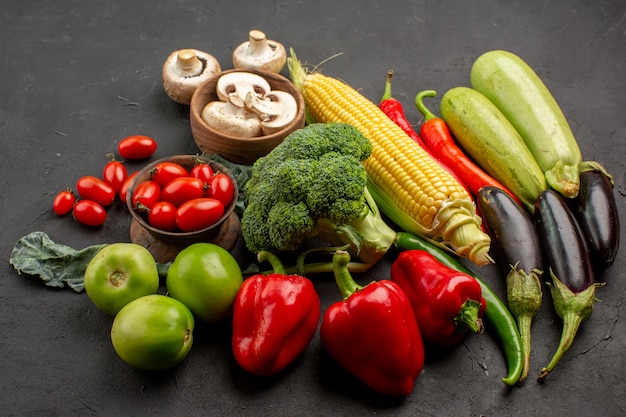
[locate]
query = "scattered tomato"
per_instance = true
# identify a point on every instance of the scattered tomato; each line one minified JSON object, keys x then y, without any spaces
{"x":64,"y":202}
{"x":198,"y":214}
{"x":202,"y":171}
{"x":221,"y":188}
{"x":146,"y":194}
{"x":118,"y":274}
{"x":115,"y":174}
{"x":153,"y":332}
{"x":89,"y":212}
{"x":126,"y":185}
{"x":205,"y":277}
{"x":165,"y":172}
{"x":183,"y":189}
{"x":136,"y":147}
{"x":93,"y":188}
{"x":162,"y":215}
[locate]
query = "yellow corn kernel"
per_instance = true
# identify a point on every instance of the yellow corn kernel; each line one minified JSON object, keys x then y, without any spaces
{"x":440,"y":207}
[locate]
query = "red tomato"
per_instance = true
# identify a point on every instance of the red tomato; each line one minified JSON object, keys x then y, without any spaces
{"x":198,"y":214}
{"x":163,"y":216}
{"x":221,"y":188}
{"x":146,"y":194}
{"x":124,"y":189}
{"x":115,"y":174}
{"x":89,"y":212}
{"x":93,"y":188}
{"x":64,"y":202}
{"x":183,"y":189}
{"x":202,"y":171}
{"x":136,"y":147}
{"x":165,"y":172}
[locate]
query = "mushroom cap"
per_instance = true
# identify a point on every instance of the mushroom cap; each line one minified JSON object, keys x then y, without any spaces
{"x":228,"y":118}
{"x":185,"y":70}
{"x":239,"y":84}
{"x":258,"y":52}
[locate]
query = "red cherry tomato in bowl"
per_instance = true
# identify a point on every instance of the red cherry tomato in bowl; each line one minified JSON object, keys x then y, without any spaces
{"x":136,"y":147}
{"x":93,"y":188}
{"x":64,"y":202}
{"x":89,"y":212}
{"x":203,"y":172}
{"x":146,"y":194}
{"x":183,"y":189}
{"x":198,"y":214}
{"x":115,"y":174}
{"x":126,"y":186}
{"x":162,"y":215}
{"x":221,"y":188}
{"x":165,"y":172}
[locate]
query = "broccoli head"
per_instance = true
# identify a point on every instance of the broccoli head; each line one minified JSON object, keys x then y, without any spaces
{"x":313,"y":185}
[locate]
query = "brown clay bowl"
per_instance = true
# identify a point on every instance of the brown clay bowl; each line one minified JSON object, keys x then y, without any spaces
{"x":180,"y":239}
{"x":239,"y":150}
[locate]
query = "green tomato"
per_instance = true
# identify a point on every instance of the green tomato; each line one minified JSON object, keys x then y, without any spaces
{"x":153,"y":332}
{"x":120,"y":273}
{"x":205,"y":277}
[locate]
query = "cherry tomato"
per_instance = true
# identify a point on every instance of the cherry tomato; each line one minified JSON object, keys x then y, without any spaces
{"x":136,"y":147}
{"x":165,"y":172}
{"x":202,"y":171}
{"x":93,"y":188}
{"x":198,"y":214}
{"x":221,"y":188}
{"x":124,"y":189}
{"x":163,"y":216}
{"x":183,"y":189}
{"x":146,"y":195}
{"x":115,"y":174}
{"x":89,"y":212}
{"x":64,"y":202}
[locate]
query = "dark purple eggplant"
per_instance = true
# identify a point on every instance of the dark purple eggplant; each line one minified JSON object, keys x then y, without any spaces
{"x":596,"y":212}
{"x":516,"y":247}
{"x":573,"y":281}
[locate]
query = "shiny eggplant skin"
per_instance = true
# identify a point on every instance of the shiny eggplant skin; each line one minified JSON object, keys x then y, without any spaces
{"x":563,"y":242}
{"x":596,"y":212}
{"x":514,"y":238}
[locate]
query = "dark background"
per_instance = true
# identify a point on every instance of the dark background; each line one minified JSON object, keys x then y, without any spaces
{"x":78,"y":76}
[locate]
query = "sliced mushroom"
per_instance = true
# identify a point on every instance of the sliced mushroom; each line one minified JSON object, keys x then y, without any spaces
{"x":185,"y":70}
{"x":233,"y":120}
{"x":235,"y":86}
{"x":260,"y":53}
{"x":276,"y":111}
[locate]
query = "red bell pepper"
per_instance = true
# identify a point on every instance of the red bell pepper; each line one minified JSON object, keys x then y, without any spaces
{"x":437,"y":138}
{"x":447,"y":303}
{"x":372,"y":333}
{"x":275,"y":316}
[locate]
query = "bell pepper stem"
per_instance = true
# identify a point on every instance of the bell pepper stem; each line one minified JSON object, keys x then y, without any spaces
{"x":274,"y":261}
{"x":345,"y":282}
{"x":419,"y":103}
{"x":468,"y":319}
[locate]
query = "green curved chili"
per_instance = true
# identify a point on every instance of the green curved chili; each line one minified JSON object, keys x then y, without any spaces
{"x":497,"y":315}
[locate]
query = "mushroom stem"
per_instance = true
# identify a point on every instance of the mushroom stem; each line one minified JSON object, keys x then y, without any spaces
{"x":187,"y":63}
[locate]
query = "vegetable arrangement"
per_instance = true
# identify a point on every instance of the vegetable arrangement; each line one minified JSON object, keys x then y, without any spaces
{"x":484,"y":182}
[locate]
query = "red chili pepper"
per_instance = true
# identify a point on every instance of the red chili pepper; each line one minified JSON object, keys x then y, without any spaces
{"x":447,"y":303}
{"x":275,"y":316}
{"x":437,"y":138}
{"x":372,"y":333}
{"x":394,"y":110}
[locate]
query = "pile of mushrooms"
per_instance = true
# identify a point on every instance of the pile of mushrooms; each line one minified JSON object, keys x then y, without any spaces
{"x":248,"y":107}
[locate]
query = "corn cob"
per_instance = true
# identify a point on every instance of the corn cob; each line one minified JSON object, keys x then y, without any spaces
{"x":420,"y":193}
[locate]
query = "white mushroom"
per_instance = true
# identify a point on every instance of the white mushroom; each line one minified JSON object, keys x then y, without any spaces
{"x":228,"y":118}
{"x":235,"y":86}
{"x":276,"y":110}
{"x":260,"y":53}
{"x":185,"y":70}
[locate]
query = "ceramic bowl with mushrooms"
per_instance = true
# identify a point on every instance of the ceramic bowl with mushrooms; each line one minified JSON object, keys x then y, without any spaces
{"x":242,"y":114}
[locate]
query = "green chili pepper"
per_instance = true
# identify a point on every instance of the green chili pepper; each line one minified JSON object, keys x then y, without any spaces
{"x":497,"y":316}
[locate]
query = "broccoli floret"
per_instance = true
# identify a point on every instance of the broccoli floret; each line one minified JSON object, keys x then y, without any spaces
{"x":314,"y":185}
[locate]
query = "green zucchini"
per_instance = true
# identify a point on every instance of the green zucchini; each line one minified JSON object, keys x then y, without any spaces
{"x":490,"y":139}
{"x":518,"y":92}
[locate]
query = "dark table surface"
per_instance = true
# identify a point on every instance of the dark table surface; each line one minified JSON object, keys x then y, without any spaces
{"x":79,"y":76}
